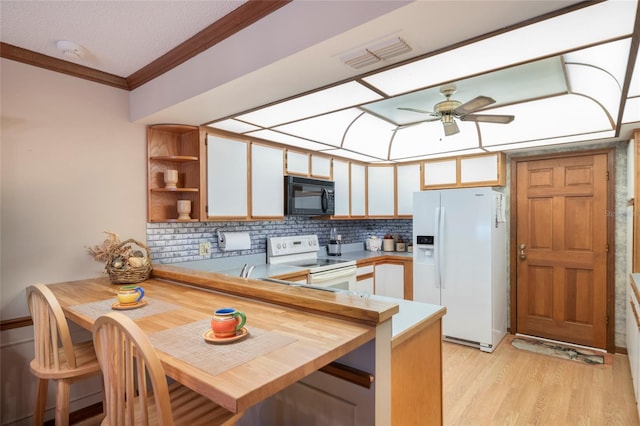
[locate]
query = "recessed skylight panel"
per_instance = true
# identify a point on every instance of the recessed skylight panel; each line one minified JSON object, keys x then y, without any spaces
{"x":428,"y":138}
{"x":631,"y":111}
{"x":328,"y":128}
{"x":234,"y":126}
{"x":350,"y":154}
{"x":270,"y":135}
{"x":370,"y":136}
{"x":332,"y":99}
{"x":610,"y":57}
{"x":602,"y":21}
{"x":598,"y":85}
{"x":546,"y":119}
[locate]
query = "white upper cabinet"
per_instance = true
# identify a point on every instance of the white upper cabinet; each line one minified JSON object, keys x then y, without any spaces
{"x":408,"y":182}
{"x":320,"y":166}
{"x":358,"y":186}
{"x":440,"y":173}
{"x":381,"y":190}
{"x":342,"y":193}
{"x":227,"y":169}
{"x":297,"y":163}
{"x":465,"y":171}
{"x":479,"y":169}
{"x":267,"y":182}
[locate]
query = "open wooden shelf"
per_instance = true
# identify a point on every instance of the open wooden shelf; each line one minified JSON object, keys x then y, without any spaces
{"x":175,"y":158}
{"x":173,"y":147}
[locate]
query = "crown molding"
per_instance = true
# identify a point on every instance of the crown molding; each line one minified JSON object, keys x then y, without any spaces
{"x":240,"y":18}
{"x":237,"y":20}
{"x":18,"y":54}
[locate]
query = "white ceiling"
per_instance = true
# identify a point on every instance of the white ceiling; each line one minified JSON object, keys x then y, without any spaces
{"x":119,"y":37}
{"x":298,"y":48}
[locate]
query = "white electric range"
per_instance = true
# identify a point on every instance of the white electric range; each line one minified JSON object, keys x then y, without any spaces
{"x":302,"y":251}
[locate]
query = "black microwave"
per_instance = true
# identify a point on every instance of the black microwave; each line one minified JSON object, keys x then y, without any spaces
{"x":308,"y":197}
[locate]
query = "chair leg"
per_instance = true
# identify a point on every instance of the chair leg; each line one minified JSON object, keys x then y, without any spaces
{"x":62,"y":403}
{"x":41,"y":402}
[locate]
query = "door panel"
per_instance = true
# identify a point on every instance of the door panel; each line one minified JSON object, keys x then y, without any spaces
{"x":562,"y":222}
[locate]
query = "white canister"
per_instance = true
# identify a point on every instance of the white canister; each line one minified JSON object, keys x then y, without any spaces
{"x":388,"y":244}
{"x":374,"y":243}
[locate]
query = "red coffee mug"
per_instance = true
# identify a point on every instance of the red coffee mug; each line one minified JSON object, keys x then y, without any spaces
{"x":226,"y":322}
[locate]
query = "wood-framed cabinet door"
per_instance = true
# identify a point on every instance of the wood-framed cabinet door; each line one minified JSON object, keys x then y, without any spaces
{"x":267,"y":187}
{"x":342,"y":188}
{"x":561,"y":214}
{"x":358,"y":186}
{"x":227,"y":178}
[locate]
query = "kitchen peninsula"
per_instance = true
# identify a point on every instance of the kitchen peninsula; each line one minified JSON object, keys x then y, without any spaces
{"x":316,"y":328}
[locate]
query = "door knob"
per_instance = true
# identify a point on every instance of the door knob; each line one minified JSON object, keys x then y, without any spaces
{"x":523,"y":255}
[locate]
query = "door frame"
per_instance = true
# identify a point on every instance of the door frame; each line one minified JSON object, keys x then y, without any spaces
{"x":513,"y":257}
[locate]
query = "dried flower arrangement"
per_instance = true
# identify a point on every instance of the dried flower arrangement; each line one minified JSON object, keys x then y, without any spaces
{"x":122,"y":261}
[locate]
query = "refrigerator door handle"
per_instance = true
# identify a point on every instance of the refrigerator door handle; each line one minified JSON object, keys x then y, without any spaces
{"x":441,"y":248}
{"x":436,"y":251}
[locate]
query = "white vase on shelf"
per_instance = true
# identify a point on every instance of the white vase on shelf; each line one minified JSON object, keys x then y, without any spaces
{"x":171,"y":179}
{"x":184,"y":208}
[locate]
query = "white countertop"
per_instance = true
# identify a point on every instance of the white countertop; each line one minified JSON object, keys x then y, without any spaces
{"x":356,"y":251}
{"x":411,"y":313}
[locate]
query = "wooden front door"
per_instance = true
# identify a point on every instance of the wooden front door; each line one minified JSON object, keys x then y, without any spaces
{"x":561,"y":243}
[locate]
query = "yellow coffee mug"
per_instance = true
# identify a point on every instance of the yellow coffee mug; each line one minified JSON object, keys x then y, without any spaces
{"x":130,"y":294}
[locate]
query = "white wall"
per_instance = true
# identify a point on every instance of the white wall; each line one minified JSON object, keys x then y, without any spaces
{"x":71,"y":167}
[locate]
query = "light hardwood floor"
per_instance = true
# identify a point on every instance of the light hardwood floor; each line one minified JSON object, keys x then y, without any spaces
{"x":515,"y":387}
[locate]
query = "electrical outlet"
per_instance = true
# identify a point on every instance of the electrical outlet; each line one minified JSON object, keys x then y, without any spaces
{"x":205,"y":249}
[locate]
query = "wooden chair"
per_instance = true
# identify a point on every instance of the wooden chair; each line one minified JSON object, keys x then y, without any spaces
{"x":56,"y":357}
{"x":135,"y":384}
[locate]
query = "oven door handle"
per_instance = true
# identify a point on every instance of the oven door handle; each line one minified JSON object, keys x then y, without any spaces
{"x":332,"y":275}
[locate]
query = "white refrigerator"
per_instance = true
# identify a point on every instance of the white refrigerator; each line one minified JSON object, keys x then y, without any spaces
{"x":460,"y":262}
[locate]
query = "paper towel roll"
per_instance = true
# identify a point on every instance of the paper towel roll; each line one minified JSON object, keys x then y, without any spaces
{"x":229,"y":241}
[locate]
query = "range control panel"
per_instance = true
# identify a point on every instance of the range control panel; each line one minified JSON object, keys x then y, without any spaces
{"x":281,"y":246}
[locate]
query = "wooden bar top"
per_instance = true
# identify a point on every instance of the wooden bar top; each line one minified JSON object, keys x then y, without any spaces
{"x":319,"y":338}
{"x":366,"y":310}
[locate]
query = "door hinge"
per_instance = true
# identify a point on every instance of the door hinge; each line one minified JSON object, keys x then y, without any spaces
{"x":206,"y":209}
{"x":607,"y":175}
{"x":606,"y":248}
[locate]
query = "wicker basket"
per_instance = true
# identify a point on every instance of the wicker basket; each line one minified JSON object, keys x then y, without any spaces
{"x":129,"y":274}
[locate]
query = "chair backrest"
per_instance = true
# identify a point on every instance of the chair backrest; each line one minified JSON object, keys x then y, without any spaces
{"x":127,"y":359}
{"x":50,"y":329}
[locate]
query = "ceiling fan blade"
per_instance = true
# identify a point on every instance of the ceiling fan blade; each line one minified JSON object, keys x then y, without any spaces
{"x":474,"y":105}
{"x":450,"y":128}
{"x":419,"y":111}
{"x":415,"y":123}
{"x":488,"y":118}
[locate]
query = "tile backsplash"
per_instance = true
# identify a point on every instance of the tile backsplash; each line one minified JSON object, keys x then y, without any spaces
{"x":180,"y":242}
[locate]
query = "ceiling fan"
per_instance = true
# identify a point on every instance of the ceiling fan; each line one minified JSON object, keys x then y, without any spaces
{"x":450,"y":109}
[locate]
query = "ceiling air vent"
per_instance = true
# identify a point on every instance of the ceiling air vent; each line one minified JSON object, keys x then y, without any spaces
{"x":374,"y":54}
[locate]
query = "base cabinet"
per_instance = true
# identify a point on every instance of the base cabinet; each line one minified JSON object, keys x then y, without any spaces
{"x":416,"y":378}
{"x":386,"y":277}
{"x":303,"y":404}
{"x":390,"y":280}
{"x":320,"y":399}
